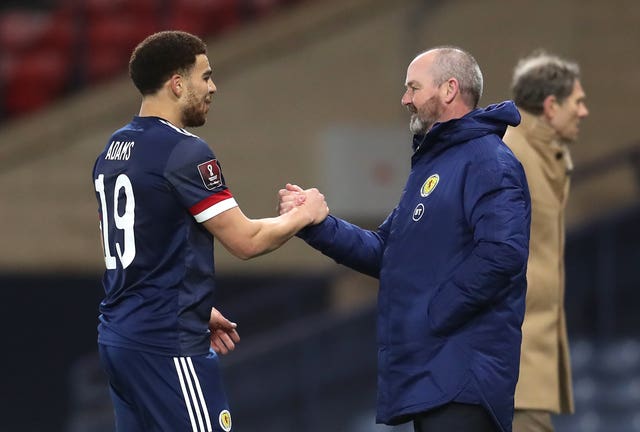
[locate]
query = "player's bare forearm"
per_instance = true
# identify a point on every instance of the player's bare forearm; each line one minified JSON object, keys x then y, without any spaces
{"x":247,"y":238}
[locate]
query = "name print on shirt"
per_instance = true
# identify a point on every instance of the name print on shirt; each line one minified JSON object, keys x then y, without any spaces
{"x":119,"y":150}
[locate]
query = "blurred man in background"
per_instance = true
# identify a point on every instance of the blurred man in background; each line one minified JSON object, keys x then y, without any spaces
{"x":549,"y":95}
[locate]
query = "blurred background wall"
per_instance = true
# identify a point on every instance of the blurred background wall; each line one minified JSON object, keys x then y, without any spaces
{"x":308,"y":92}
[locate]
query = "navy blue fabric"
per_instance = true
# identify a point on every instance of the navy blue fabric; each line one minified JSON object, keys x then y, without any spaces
{"x":454,"y":417}
{"x":161,"y":301}
{"x":451,"y":262}
{"x":158,"y":393}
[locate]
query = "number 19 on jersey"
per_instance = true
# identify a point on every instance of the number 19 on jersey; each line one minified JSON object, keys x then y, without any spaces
{"x":125,"y":221}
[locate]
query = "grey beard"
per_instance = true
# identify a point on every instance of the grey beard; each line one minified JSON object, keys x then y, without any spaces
{"x":417,"y":126}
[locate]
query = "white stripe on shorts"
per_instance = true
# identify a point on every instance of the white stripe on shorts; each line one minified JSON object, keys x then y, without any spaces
{"x":203,"y":403}
{"x":187,"y":378}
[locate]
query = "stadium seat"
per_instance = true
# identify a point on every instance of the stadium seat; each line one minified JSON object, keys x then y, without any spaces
{"x":33,"y":80}
{"x":606,"y":387}
{"x":25,"y":30}
{"x":21,"y":30}
{"x":582,"y":352}
{"x":620,"y":395}
{"x":585,"y":392}
{"x":110,"y":41}
{"x":112,"y":29}
{"x":621,"y":422}
{"x":581,"y":421}
{"x":203,"y":17}
{"x":620,"y":358}
{"x":96,"y":10}
{"x":79,"y":43}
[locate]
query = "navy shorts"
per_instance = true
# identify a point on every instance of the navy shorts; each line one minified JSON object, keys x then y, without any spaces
{"x":151,"y":392}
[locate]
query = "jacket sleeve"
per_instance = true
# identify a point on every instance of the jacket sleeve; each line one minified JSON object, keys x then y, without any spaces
{"x":498,"y":209}
{"x":349,"y":244}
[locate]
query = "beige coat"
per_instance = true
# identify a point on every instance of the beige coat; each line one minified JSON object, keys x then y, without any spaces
{"x":545,"y":371}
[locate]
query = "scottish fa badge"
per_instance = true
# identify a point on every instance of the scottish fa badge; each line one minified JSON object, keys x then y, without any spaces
{"x":429,"y":185}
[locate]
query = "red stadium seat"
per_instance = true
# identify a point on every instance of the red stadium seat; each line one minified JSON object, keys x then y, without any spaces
{"x":110,"y":41}
{"x":203,"y":17}
{"x":33,"y":80}
{"x":113,"y":29}
{"x":40,"y":48}
{"x":22,"y":30}
{"x":96,"y":10}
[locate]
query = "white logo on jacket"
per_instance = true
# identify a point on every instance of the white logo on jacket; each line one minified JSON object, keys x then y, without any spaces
{"x":418,"y":212}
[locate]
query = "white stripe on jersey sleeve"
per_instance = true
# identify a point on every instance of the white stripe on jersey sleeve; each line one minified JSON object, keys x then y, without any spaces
{"x":215,"y":210}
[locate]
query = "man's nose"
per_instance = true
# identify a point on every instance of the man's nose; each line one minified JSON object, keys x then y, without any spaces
{"x":584,"y":111}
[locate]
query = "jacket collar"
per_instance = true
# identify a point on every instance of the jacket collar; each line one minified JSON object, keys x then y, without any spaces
{"x":491,"y":120}
{"x":544,"y":139}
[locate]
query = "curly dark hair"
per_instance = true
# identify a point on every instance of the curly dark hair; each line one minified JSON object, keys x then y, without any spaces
{"x":160,"y":55}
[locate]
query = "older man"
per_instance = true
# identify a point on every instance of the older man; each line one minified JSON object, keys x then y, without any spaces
{"x":451,"y":257}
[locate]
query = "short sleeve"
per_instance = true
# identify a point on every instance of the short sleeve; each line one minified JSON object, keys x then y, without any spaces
{"x":196,"y":175}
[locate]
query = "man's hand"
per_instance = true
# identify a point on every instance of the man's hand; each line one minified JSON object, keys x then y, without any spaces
{"x":223,"y":333}
{"x":310,"y":200}
{"x":290,"y":197}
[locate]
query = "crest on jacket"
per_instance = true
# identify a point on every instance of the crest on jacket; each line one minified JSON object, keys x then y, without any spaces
{"x":429,"y":185}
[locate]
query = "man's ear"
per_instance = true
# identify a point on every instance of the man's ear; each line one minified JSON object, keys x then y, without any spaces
{"x":549,"y":106}
{"x":176,"y":84}
{"x":450,"y":89}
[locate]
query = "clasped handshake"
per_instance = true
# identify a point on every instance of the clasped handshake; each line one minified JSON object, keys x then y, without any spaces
{"x":309,"y":201}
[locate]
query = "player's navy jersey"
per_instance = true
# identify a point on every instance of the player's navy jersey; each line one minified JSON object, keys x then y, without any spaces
{"x":155,"y":183}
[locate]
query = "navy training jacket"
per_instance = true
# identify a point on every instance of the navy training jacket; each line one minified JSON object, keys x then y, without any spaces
{"x":451,"y":259}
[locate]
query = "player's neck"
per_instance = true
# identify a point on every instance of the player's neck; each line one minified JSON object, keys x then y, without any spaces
{"x":152,"y":107}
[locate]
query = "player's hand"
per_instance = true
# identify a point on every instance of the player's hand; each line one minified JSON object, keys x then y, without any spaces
{"x":224,"y":335}
{"x":310,"y":200}
{"x":289,"y":197}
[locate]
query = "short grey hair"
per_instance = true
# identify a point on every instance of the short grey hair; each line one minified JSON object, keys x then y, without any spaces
{"x":540,"y":75}
{"x":454,"y":62}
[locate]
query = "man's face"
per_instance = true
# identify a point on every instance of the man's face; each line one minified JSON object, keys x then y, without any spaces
{"x":565,"y":117}
{"x":422,"y":97}
{"x":199,"y":93}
